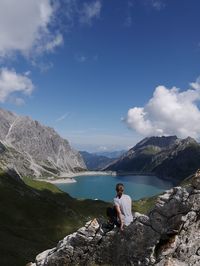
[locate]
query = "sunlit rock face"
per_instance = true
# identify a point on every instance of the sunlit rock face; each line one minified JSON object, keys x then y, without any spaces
{"x":169,"y":235}
{"x":34,"y":149}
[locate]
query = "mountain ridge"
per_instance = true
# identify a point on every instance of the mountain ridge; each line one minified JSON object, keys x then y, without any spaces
{"x":40,"y":148}
{"x":94,"y":161}
{"x":110,"y":154}
{"x":166,"y":157}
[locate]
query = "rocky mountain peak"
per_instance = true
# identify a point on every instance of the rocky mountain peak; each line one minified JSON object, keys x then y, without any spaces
{"x":162,"y":142}
{"x":188,"y":141}
{"x":6,"y":120}
{"x":36,"y":148}
{"x":165,"y":157}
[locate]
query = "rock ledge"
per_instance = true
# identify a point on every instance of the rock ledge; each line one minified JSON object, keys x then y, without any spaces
{"x":168,"y":236}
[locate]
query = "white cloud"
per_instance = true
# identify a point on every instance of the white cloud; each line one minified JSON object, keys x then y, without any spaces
{"x":168,"y":112}
{"x":84,"y":58}
{"x":196,"y":84}
{"x":128,"y":19}
{"x":43,"y":66}
{"x":158,"y":4}
{"x":32,"y":27}
{"x":26,"y":27}
{"x":90,"y":11}
{"x":81,"y":58}
{"x":51,"y":44}
{"x":103,"y":148}
{"x":62,"y":117}
{"x":11,"y":83}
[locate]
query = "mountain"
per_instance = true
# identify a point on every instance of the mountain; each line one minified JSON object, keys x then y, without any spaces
{"x":94,"y":161}
{"x":111,"y":154}
{"x":33,"y":149}
{"x":168,"y":235}
{"x":166,"y":157}
{"x":142,"y":153}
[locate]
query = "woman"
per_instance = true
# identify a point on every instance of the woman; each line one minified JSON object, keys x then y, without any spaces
{"x":121,"y":214}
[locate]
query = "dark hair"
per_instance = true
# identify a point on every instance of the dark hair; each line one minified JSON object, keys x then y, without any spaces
{"x":120,"y":188}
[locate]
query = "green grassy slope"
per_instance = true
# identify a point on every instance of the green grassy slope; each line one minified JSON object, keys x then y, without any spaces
{"x":144,"y":205}
{"x":35,"y":216}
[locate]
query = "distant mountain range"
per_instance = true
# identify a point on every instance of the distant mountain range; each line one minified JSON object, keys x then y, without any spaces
{"x":94,"y":161}
{"x":33,"y":149}
{"x":111,"y":154}
{"x":166,"y":157}
{"x":99,"y":160}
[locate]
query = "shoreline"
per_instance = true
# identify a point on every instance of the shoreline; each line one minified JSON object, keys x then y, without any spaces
{"x":68,"y":178}
{"x":136,"y":173}
{"x":85,"y":173}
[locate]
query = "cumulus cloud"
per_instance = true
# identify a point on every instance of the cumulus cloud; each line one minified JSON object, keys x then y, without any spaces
{"x":90,"y":11}
{"x":12,"y":83}
{"x":26,"y":27}
{"x":168,"y":112}
{"x":33,"y":27}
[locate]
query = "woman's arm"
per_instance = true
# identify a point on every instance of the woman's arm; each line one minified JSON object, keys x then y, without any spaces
{"x":119,"y":215}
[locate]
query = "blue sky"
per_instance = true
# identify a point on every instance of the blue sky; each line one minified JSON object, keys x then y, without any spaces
{"x":81,"y":66}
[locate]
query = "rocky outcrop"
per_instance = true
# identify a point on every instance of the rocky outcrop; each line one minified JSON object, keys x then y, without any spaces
{"x":168,"y":236}
{"x":166,"y":157}
{"x":34,"y":149}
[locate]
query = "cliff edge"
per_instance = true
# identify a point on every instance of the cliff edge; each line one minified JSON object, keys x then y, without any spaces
{"x":169,"y":235}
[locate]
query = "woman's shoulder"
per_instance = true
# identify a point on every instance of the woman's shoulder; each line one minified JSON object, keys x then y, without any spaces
{"x":127,"y":196}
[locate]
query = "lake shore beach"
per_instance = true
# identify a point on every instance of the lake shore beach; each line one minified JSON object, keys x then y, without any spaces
{"x":88,"y":173}
{"x":67,"y":178}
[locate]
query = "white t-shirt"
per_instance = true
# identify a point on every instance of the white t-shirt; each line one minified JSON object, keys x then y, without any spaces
{"x":125,"y":205}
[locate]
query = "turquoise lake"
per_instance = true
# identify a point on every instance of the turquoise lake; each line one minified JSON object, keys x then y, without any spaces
{"x":103,"y":187}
